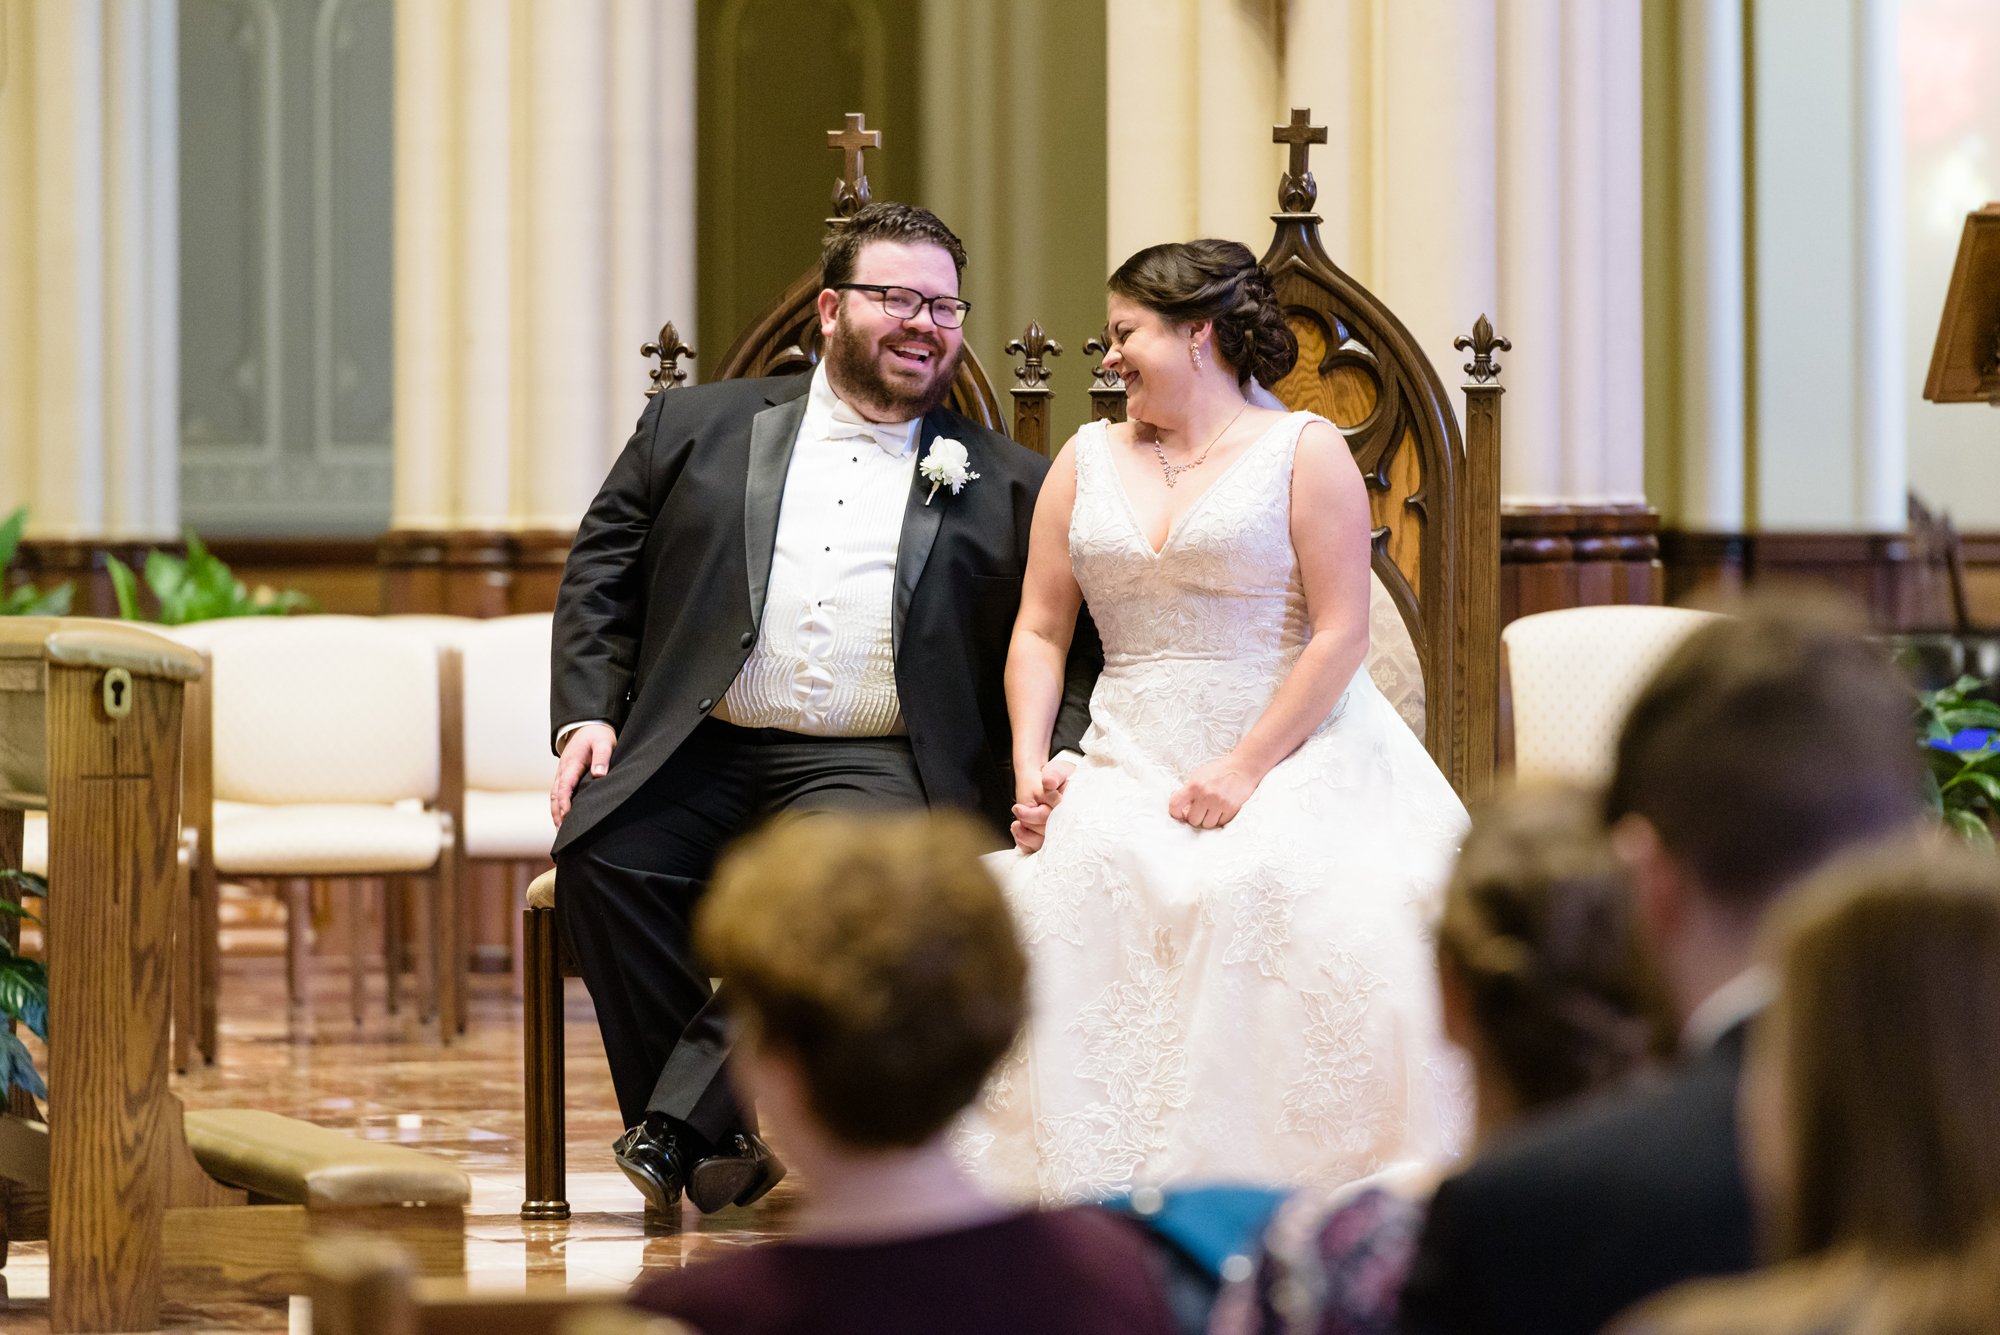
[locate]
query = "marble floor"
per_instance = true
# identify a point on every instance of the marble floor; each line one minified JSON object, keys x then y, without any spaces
{"x":389,"y":1079}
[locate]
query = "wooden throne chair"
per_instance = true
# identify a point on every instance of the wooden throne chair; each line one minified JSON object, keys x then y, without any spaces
{"x":1434,"y":497}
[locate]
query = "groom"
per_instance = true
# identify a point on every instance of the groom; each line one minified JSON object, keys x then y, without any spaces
{"x":791,"y":594}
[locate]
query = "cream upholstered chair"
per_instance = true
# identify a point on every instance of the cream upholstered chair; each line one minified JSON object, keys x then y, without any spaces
{"x":509,"y":768}
{"x":1568,"y":679}
{"x":334,"y":754}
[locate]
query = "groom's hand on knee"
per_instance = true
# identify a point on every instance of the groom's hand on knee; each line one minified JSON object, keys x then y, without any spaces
{"x":589,"y":747}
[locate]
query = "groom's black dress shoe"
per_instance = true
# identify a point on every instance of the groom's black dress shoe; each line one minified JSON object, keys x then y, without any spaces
{"x":740,"y":1171}
{"x":652,"y":1159}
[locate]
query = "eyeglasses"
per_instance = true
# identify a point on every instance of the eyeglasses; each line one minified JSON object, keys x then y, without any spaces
{"x":903,"y":303}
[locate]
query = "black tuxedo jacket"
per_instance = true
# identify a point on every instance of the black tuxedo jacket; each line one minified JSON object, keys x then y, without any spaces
{"x":1558,"y":1229}
{"x":664,"y":590}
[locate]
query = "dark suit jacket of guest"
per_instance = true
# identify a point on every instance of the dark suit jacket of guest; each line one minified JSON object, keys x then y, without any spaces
{"x":664,"y":590}
{"x":1556,"y":1230}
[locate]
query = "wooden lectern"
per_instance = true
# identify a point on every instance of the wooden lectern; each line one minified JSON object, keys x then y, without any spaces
{"x":1965,"y":364}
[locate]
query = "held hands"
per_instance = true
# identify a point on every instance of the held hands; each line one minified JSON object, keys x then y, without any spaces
{"x":1038,"y":796}
{"x":589,"y":747}
{"x":1212,"y":795}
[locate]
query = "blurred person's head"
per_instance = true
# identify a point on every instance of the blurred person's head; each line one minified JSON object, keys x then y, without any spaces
{"x":872,"y":969}
{"x":1871,"y":1097}
{"x":1545,"y":981}
{"x":1771,"y":740}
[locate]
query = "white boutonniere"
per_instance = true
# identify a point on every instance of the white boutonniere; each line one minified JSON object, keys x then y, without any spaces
{"x":946,"y":465}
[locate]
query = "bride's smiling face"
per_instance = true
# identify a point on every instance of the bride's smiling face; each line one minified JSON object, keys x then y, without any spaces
{"x":1152,"y":358}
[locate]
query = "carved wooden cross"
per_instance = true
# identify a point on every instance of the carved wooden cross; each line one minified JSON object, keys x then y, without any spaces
{"x":1297,"y":193}
{"x":850,"y":192}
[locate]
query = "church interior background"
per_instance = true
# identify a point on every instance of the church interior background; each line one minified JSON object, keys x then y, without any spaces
{"x":356,"y":290}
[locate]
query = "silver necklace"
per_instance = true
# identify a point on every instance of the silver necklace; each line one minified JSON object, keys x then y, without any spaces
{"x":1173,"y":471}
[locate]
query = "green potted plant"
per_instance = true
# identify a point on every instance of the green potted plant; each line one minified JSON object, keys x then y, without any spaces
{"x":1961,"y":740}
{"x":24,"y":993}
{"x":198,"y":587}
{"x":27,"y":600}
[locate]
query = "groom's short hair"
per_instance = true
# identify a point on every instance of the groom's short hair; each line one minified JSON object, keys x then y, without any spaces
{"x":905,"y":224}
{"x":876,"y":953}
{"x":1770,"y":740}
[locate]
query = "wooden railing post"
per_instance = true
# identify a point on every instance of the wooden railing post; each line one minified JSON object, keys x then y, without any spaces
{"x":1107,"y":388}
{"x":542,"y":1016}
{"x":1031,"y":396}
{"x":1479,"y":629}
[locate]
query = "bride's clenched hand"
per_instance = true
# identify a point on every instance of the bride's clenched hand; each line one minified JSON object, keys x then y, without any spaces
{"x":1036,"y":800}
{"x":1212,"y":795}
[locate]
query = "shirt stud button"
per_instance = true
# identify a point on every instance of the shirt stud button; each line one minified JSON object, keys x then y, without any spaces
{"x":705,"y":705}
{"x":748,"y":639}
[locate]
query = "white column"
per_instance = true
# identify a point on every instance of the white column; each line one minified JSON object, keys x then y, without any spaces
{"x":1624,"y":257}
{"x":1436,"y":255}
{"x":1712,"y":480}
{"x":1236,"y":101}
{"x":568,"y":236}
{"x":485,"y":261}
{"x":544,"y":230}
{"x":88,"y":241}
{"x":1583,"y":297}
{"x":1883,"y":483}
{"x":1153,"y":94}
{"x":1532,"y":271}
{"x":1326,"y":70}
{"x":427,"y":325}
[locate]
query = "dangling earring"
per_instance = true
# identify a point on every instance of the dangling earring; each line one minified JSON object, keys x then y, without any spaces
{"x":1194,"y":353}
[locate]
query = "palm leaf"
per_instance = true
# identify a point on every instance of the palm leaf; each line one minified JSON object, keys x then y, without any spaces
{"x":18,"y":1068}
{"x":30,"y":884}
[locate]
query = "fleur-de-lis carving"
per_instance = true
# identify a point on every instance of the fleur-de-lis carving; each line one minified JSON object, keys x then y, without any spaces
{"x":1035,"y":346}
{"x":668,"y":349}
{"x":1099,"y":346}
{"x":1482,"y":344}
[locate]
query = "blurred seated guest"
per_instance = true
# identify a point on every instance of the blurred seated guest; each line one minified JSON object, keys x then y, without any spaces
{"x":1870,"y":1117}
{"x":1767,"y":743}
{"x":1544,"y":986}
{"x":875,"y":979}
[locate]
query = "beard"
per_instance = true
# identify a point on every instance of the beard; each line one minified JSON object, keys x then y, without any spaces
{"x":855,"y":365}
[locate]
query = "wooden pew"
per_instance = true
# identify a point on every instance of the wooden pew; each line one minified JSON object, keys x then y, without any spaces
{"x":91,"y":717}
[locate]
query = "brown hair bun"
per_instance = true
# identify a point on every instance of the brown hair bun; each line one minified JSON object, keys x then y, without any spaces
{"x":1186,"y":282}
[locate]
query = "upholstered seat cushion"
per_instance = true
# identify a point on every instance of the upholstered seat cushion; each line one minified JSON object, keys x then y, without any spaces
{"x":325,"y":839}
{"x":508,"y":825}
{"x":542,"y":890}
{"x":1574,"y":675}
{"x":299,"y":1163}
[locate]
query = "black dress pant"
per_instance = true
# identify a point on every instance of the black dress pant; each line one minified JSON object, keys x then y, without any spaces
{"x":630,"y":888}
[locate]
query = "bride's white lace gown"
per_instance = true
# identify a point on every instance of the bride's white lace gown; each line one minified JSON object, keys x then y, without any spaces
{"x":1254,"y":1003}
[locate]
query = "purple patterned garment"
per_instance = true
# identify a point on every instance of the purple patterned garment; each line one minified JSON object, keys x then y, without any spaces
{"x":1347,"y":1276}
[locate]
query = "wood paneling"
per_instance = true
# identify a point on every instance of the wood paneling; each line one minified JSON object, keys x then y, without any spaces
{"x":1561,"y":556}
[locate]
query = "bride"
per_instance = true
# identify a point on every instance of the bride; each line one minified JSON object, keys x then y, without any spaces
{"x":1227,"y":921}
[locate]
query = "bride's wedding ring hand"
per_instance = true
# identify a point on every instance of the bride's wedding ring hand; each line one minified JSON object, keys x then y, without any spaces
{"x":1055,"y":777}
{"x":1212,"y":795}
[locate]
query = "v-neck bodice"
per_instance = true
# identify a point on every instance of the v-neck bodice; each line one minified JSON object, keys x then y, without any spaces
{"x":1225,"y":584}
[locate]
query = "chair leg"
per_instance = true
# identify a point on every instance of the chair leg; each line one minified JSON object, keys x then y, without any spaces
{"x":392,"y":941}
{"x":186,"y":968}
{"x":542,"y":1073}
{"x":427,"y":946}
{"x":298,"y":929}
{"x":517,"y":895}
{"x":208,"y":956}
{"x":357,"y":955}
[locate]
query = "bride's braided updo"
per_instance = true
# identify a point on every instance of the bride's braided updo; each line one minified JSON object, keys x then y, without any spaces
{"x":1185,"y":282}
